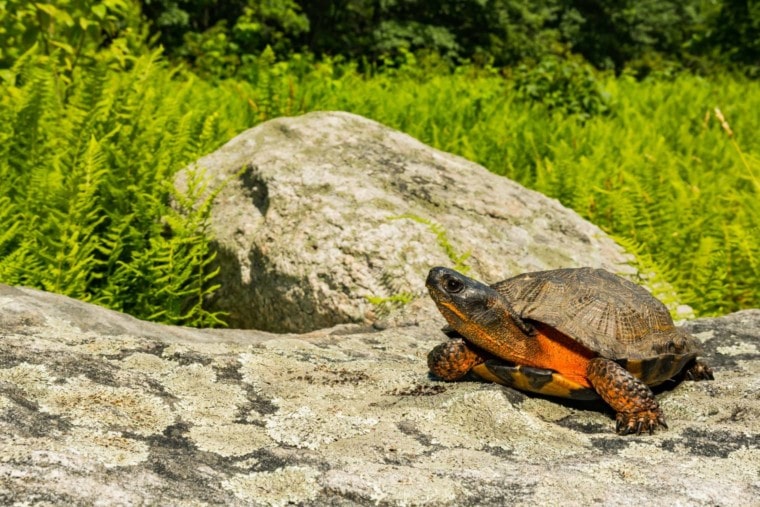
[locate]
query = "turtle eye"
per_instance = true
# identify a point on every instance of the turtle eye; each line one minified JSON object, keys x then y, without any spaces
{"x":452,"y":285}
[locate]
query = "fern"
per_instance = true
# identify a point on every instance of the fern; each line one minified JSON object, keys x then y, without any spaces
{"x":656,"y":276}
{"x":12,"y":224}
{"x":86,"y":165}
{"x":35,"y":102}
{"x":86,"y":183}
{"x":70,"y":241}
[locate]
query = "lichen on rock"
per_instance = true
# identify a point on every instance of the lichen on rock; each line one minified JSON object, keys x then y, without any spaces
{"x":170,"y":415}
{"x":97,"y":407}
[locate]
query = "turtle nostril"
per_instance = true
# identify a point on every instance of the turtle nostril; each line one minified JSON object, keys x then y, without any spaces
{"x":453,"y":286}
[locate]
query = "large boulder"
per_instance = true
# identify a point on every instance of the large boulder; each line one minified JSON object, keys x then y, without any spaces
{"x":97,"y":407}
{"x":330,"y":218}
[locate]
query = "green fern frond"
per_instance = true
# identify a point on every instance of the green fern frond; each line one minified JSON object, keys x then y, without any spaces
{"x":10,"y":225}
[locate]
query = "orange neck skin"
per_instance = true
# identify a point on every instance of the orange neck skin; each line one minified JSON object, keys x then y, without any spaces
{"x":548,"y":348}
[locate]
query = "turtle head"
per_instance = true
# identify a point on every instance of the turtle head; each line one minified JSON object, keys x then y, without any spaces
{"x":478,"y":312}
{"x":464,"y":302}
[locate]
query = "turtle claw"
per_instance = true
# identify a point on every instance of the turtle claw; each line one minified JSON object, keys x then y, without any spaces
{"x":700,"y":371}
{"x":639,"y":422}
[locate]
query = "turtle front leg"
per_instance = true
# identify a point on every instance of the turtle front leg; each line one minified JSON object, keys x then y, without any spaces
{"x":453,"y":359}
{"x":637,"y":409}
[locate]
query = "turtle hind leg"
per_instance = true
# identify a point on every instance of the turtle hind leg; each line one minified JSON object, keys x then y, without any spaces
{"x":637,"y":409}
{"x":698,"y":371}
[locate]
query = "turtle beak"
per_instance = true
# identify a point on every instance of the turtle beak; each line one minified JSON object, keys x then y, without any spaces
{"x":442,"y":283}
{"x":434,"y":277}
{"x":436,"y":284}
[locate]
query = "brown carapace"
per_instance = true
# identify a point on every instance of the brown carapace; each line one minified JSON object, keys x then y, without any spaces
{"x":575,"y":333}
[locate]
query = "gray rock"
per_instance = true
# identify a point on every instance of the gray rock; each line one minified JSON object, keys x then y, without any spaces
{"x":328,"y":218}
{"x":100,"y":408}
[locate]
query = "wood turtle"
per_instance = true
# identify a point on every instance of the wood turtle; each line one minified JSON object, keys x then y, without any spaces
{"x":575,"y":333}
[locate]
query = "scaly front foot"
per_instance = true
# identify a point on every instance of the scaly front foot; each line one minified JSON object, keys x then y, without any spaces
{"x":451,"y":360}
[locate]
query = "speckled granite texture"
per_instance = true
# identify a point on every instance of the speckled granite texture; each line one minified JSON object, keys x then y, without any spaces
{"x":99,"y":408}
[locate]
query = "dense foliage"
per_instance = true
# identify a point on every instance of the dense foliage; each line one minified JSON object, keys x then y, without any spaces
{"x":85,"y":180}
{"x":643,"y":35}
{"x":76,"y":31}
{"x":94,"y":124}
{"x":659,"y":172}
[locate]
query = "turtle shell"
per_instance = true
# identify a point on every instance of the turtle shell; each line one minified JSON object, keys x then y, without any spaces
{"x":605,"y":313}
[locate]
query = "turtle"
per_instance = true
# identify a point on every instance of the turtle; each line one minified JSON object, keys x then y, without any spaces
{"x":578,"y":333}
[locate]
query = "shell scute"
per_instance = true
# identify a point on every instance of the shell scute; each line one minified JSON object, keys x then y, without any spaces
{"x":606,"y":313}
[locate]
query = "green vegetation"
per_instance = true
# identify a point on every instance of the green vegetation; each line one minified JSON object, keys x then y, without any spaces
{"x":384,"y":305}
{"x":86,"y":166}
{"x":218,"y":38}
{"x":94,"y":124}
{"x":76,"y":32}
{"x":458,"y":261}
{"x":658,"y":172}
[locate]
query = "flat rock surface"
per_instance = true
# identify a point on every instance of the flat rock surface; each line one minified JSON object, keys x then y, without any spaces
{"x":329,"y":217}
{"x":100,"y":408}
